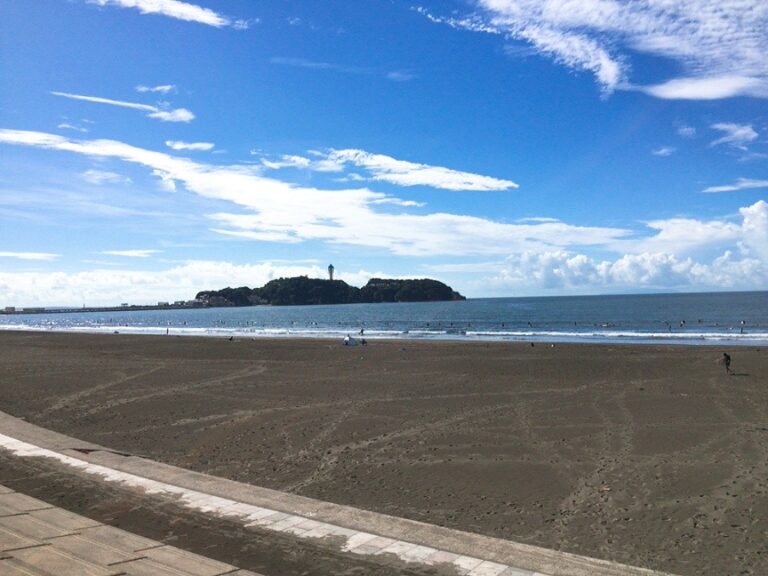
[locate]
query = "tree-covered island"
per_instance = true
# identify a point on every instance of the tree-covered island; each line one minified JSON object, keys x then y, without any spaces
{"x":302,"y":290}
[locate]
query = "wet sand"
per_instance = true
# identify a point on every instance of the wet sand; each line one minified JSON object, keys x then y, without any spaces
{"x":645,"y":455}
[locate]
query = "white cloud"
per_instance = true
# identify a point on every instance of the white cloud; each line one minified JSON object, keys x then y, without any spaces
{"x":131,"y":253}
{"x":673,"y":257}
{"x":684,"y":236}
{"x":404,"y":173}
{"x":273,"y":210}
{"x":755,"y":226}
{"x":99,"y":100}
{"x":741,"y":184}
{"x":173,"y":9}
{"x":398,"y":76}
{"x":718,"y":44}
{"x":167,"y":182}
{"x":177,"y":115}
{"x":685,"y":131}
{"x":745,"y":235}
{"x":162,"y":89}
{"x":538,"y":219}
{"x":67,"y":126}
{"x":109,"y":287}
{"x":286,"y":161}
{"x":708,"y":88}
{"x":39,"y":256}
{"x":561,"y":271}
{"x":399,"y":202}
{"x":270,"y":210}
{"x":99,"y":177}
{"x":577,"y":51}
{"x":387,"y":169}
{"x":472,"y":22}
{"x":394,"y":75}
{"x":315,"y":65}
{"x":736,"y":135}
{"x":179,"y":145}
{"x":663,"y":151}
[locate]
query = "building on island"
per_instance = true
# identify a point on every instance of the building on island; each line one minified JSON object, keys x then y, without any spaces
{"x":330,"y":272}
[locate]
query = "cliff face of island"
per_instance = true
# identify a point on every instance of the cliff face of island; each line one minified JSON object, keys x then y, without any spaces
{"x":302,"y":290}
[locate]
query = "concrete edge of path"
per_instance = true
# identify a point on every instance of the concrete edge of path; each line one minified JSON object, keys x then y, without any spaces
{"x":524,"y":556}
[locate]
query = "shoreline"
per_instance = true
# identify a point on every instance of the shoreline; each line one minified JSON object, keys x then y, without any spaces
{"x":595,"y":339}
{"x":644,"y":455}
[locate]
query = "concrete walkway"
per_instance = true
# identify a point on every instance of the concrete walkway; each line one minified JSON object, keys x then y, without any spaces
{"x":351,"y":530}
{"x":37,"y":539}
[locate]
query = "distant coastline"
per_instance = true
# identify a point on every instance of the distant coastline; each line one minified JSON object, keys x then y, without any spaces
{"x":11,"y":310}
{"x":296,"y":291}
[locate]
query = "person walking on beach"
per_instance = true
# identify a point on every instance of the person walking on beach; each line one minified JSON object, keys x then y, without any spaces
{"x":727,"y":362}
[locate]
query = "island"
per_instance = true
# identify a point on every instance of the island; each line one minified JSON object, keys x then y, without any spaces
{"x":302,"y":290}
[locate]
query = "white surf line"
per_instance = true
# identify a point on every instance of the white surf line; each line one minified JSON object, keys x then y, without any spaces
{"x":356,"y":542}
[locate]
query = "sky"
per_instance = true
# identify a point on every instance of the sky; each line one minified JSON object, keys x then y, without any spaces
{"x":150,"y":149}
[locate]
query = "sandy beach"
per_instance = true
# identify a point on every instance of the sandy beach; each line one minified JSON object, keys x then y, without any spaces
{"x":646,"y":455}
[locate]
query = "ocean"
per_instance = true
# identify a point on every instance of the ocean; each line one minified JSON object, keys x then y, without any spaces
{"x":733,"y":318}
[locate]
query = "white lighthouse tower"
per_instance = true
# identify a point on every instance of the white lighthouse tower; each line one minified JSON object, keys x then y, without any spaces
{"x":330,"y":272}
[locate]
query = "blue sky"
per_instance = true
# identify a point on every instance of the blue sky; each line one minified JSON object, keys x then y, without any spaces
{"x":150,"y":149}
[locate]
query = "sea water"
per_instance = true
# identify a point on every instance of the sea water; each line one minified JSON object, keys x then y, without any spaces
{"x":710,"y":318}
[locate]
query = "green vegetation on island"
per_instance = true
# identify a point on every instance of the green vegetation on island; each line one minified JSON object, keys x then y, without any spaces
{"x":302,"y":290}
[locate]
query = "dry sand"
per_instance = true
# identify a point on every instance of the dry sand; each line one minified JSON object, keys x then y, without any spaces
{"x":645,"y":455}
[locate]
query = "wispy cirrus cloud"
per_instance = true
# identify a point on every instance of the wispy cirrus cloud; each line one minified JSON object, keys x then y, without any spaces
{"x":99,"y":177}
{"x":194,"y":146}
{"x":315,"y":65}
{"x":176,"y":9}
{"x":663,"y":151}
{"x":37,"y":256}
{"x":717,"y":43}
{"x":393,"y":75}
{"x":383,"y":168}
{"x":161,"y":89}
{"x":735,"y":135}
{"x":131,"y":253}
{"x":176,"y":115}
{"x":399,"y":76}
{"x":285,"y":161}
{"x":740,"y":184}
{"x":273,"y":210}
{"x":68,"y":126}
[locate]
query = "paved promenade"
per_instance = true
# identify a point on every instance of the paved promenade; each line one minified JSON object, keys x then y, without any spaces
{"x":37,"y":539}
{"x":357,"y":533}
